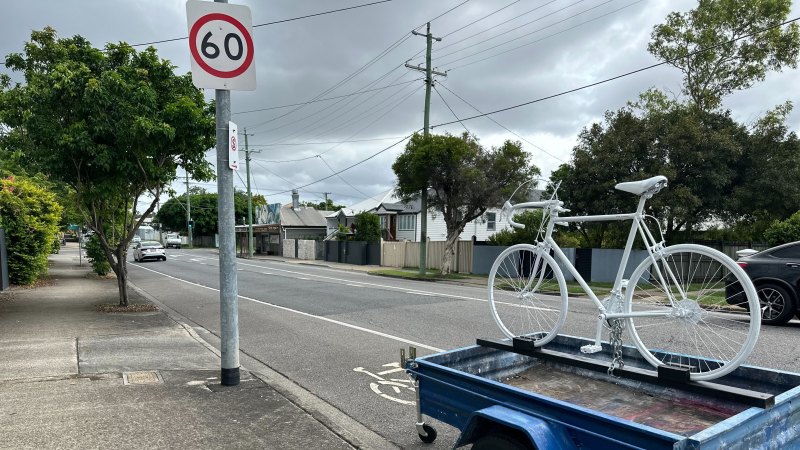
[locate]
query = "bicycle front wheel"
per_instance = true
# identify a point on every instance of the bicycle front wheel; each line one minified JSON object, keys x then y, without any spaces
{"x":527,"y":294}
{"x":709,"y":313}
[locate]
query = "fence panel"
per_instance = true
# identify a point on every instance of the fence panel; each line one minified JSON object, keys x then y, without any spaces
{"x":393,"y":254}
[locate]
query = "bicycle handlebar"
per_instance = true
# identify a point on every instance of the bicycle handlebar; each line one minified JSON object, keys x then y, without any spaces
{"x":555,"y":205}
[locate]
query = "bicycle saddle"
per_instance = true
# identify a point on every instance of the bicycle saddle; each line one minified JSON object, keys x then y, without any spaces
{"x":640,"y":187}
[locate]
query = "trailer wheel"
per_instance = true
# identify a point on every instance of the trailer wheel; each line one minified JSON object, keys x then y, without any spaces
{"x":431,"y":434}
{"x":497,"y":441}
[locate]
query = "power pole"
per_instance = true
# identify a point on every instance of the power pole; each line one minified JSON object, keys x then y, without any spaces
{"x":189,"y":212}
{"x":429,"y":72}
{"x":249,"y":195}
{"x":326,"y":199}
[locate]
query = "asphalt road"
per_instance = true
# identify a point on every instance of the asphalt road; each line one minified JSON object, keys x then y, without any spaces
{"x":338,"y":333}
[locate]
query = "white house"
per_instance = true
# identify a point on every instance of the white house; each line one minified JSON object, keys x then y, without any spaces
{"x":402,"y":221}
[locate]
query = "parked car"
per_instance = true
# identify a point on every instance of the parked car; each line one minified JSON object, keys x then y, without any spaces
{"x":776,"y":275}
{"x":172,"y":240}
{"x":149,"y":250}
{"x":136,"y":239}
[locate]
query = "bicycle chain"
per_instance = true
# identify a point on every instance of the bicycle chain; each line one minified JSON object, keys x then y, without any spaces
{"x":617,"y":325}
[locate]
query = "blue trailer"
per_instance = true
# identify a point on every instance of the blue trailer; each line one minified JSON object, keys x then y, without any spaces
{"x":504,"y":395}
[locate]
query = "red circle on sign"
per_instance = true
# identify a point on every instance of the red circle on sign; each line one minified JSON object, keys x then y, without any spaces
{"x":247,"y":39}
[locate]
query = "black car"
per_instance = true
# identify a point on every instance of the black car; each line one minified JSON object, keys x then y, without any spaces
{"x":776,"y":275}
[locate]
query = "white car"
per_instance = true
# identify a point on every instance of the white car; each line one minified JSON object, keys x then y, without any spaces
{"x":136,"y":239}
{"x":149,"y":250}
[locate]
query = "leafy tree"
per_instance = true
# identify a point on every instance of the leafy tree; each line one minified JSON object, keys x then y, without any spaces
{"x":461,"y":177}
{"x":29,"y":214}
{"x":737,"y":53}
{"x":531,"y":219}
{"x":781,"y":232}
{"x":323,"y":206}
{"x":368,"y":227}
{"x":172,"y":214}
{"x":97,"y":256}
{"x":113,"y":124}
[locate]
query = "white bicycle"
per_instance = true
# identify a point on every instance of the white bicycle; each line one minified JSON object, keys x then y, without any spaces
{"x":674,"y":304}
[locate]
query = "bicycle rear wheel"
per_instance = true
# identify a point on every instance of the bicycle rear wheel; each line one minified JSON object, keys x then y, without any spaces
{"x":527,"y":294}
{"x":704,"y":297}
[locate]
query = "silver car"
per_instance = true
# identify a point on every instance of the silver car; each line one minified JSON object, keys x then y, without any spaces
{"x":149,"y":250}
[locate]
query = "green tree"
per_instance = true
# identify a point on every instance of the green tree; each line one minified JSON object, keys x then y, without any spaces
{"x":172,"y":214}
{"x":113,"y":124}
{"x":29,"y":214}
{"x":462,"y":178}
{"x":368,"y":227}
{"x":737,"y":52}
{"x":532,"y":219}
{"x":781,"y":232}
{"x":323,"y":206}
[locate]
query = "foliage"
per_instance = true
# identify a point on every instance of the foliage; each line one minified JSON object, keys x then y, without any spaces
{"x":532,"y":220}
{"x":97,"y":256}
{"x":717,"y":169}
{"x":344,"y":233}
{"x":781,"y":232}
{"x":368,"y":227}
{"x":462,"y":179}
{"x":735,"y":51}
{"x":113,"y":124}
{"x":29,"y":214}
{"x":172,"y":214}
{"x":323,"y":206}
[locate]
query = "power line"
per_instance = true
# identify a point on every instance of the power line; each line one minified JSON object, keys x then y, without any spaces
{"x":442,"y":14}
{"x":478,"y":20}
{"x":524,"y":35}
{"x":352,"y":165}
{"x":326,"y":98}
{"x":272,"y":23}
{"x":451,"y":109}
{"x":324,"y":143}
{"x":621,"y":75}
{"x":501,"y":125}
{"x":339,"y":175}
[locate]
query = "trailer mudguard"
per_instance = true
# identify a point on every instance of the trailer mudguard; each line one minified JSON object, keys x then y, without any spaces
{"x":544,"y":435}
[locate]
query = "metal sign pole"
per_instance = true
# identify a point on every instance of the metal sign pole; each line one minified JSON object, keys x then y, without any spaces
{"x":228,"y":289}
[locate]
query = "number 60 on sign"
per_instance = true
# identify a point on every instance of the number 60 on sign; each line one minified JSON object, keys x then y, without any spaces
{"x":221,"y":45}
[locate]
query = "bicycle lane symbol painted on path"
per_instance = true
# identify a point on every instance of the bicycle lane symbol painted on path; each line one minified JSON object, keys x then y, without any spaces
{"x":395,"y":387}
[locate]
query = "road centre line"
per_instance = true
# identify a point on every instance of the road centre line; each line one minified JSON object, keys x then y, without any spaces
{"x":326,"y":319}
{"x":383,"y":286}
{"x":364,"y":283}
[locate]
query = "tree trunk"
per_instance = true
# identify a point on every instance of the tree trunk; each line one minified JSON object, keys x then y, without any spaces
{"x":449,"y":251}
{"x":121,"y":271}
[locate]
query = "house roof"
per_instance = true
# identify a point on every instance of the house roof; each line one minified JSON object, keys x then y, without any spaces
{"x":302,"y":217}
{"x":367,"y":204}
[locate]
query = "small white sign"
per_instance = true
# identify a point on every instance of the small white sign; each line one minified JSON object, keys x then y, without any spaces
{"x":221,"y":45}
{"x":233,"y":144}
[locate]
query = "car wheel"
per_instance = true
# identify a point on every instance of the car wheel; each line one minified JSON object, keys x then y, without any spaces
{"x":164,"y":258}
{"x":178,"y":247}
{"x":777,"y":307}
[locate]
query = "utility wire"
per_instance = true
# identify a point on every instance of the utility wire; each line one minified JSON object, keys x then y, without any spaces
{"x":326,"y":98}
{"x":586,"y":86}
{"x":501,"y":125}
{"x":451,"y":109}
{"x":442,"y":14}
{"x":352,"y":165}
{"x":521,"y":36}
{"x":340,"y":175}
{"x":272,"y":23}
{"x":324,"y":143}
{"x":478,"y":20}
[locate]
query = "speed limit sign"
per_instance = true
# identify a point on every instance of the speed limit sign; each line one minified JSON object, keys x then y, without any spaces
{"x":221,"y":45}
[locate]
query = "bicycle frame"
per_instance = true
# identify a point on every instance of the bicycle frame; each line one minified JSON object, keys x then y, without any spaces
{"x":637,"y":227}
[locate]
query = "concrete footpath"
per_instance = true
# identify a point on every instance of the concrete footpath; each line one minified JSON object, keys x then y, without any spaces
{"x":74,"y":377}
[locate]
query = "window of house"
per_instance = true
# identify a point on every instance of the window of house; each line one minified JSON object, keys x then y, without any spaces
{"x":405,"y":222}
{"x":491,"y":221}
{"x":384,"y":222}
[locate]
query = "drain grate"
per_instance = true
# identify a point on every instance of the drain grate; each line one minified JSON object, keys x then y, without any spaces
{"x":143,"y":377}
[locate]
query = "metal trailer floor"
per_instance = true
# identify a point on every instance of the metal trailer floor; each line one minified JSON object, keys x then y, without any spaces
{"x":680,"y":414}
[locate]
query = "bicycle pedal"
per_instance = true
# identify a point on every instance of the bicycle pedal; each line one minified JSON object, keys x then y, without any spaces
{"x":591,"y":348}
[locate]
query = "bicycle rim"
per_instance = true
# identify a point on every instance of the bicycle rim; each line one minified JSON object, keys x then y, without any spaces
{"x":702,"y":330}
{"x":527,"y":294}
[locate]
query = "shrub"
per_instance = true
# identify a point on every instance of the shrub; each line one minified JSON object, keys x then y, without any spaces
{"x":97,"y":257}
{"x":29,"y":214}
{"x":368,"y":227}
{"x":781,"y":232}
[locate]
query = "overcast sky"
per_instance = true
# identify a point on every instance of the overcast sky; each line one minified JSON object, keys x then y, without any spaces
{"x":526,"y":50}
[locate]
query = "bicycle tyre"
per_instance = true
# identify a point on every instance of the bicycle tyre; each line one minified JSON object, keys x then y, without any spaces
{"x":703,"y":330}
{"x":523,"y":305}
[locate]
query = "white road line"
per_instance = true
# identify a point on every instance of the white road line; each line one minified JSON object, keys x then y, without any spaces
{"x":354,"y":285}
{"x":283,"y":308}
